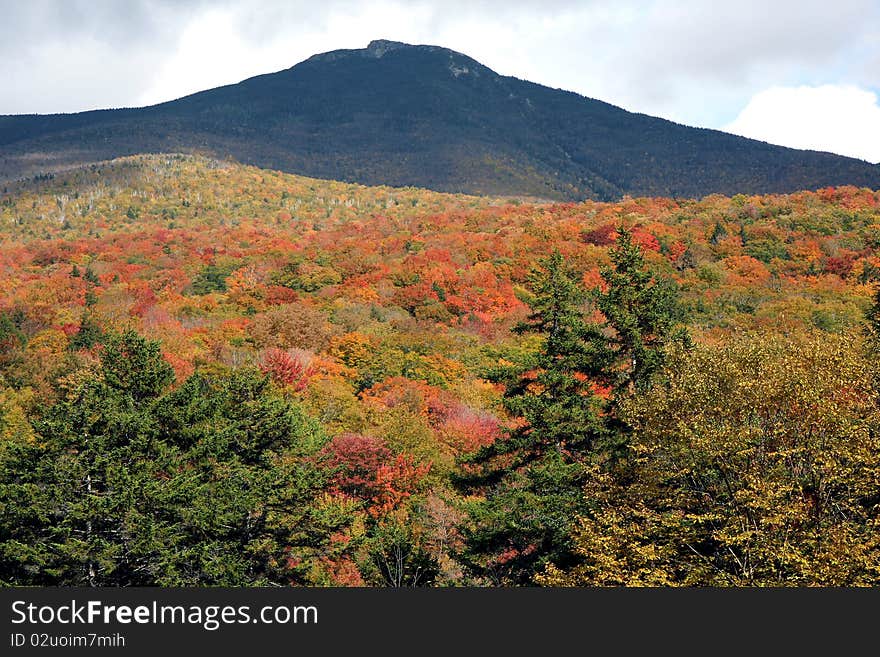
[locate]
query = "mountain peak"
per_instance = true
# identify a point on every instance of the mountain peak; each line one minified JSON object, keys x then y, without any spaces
{"x":379,"y":47}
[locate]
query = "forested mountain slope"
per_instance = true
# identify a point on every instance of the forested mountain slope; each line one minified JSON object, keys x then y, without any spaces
{"x":398,"y":114}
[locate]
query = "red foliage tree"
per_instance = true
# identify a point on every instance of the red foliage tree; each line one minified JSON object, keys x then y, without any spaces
{"x":365,"y":469}
{"x":466,"y":429}
{"x":355,"y":460}
{"x":601,"y":236}
{"x":286,"y":368}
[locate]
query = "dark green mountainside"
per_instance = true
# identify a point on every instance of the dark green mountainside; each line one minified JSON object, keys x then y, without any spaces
{"x":427,"y":116}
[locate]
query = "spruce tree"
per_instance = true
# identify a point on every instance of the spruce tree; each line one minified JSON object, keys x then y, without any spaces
{"x":643,"y":318}
{"x":530,"y":483}
{"x":531,"y":479}
{"x":130,"y":483}
{"x":80,"y":501}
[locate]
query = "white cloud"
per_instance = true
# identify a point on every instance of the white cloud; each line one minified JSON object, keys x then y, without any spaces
{"x":841,"y":119}
{"x":226,"y":44}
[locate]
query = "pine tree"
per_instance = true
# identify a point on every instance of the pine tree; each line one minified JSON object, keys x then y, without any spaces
{"x":553,"y":392}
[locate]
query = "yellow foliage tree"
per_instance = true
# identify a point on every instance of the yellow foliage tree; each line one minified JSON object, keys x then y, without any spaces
{"x":755,"y":464}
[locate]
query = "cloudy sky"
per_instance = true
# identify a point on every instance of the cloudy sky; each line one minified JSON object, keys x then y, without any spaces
{"x":802,"y":73}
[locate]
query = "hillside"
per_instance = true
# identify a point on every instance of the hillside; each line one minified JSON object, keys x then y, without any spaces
{"x":265,"y":379}
{"x":430,"y":117}
{"x":151,"y":226}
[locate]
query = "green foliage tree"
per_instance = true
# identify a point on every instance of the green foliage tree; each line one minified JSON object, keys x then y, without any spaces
{"x":642,"y":314}
{"x":90,"y":277}
{"x":75,"y":501}
{"x":211,"y":278}
{"x":254,"y":510}
{"x":530,"y":480}
{"x":396,"y":557}
{"x":88,"y":335}
{"x":128,"y":483}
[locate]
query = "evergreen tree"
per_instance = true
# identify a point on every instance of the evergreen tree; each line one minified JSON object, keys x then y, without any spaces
{"x":553,"y":392}
{"x":531,"y":482}
{"x":128,"y":483}
{"x":531,"y":479}
{"x":718,"y":233}
{"x":88,"y":335}
{"x":396,"y":557}
{"x":90,"y":276}
{"x":642,"y":315}
{"x":78,"y":502}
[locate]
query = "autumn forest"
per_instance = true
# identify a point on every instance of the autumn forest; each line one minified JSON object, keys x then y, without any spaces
{"x":215,"y":374}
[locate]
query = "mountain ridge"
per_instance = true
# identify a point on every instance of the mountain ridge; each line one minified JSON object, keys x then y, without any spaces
{"x":427,"y":116}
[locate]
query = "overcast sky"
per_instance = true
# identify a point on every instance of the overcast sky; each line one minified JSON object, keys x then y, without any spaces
{"x":802,"y":73}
